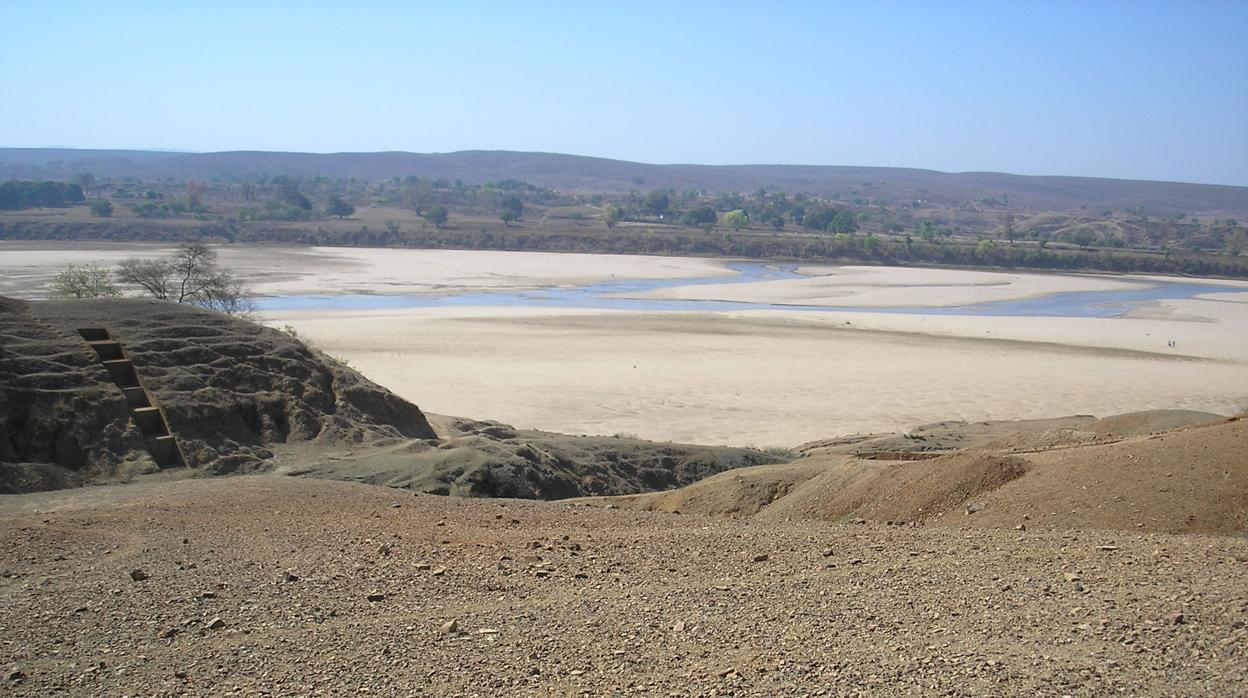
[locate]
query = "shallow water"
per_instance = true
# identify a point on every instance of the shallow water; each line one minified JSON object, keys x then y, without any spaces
{"x":1102,"y":304}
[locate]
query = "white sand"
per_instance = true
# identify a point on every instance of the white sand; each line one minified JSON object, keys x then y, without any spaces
{"x":26,"y":268}
{"x":756,"y":377}
{"x":874,"y":287}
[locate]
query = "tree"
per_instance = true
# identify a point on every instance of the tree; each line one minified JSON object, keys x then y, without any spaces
{"x":338,"y":206}
{"x":102,"y":208}
{"x":843,"y":222}
{"x":657,"y":202}
{"x":927,"y":231}
{"x":702,"y":217}
{"x":86,"y":281}
{"x":511,"y":209}
{"x":189,"y":275}
{"x":86,"y":180}
{"x":610,"y":215}
{"x":436,"y":215}
{"x":288,"y":192}
{"x":736,"y":219}
{"x":1008,"y":230}
{"x":195,"y":194}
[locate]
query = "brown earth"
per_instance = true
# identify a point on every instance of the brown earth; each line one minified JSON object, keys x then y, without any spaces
{"x":1170,"y":478}
{"x":261,"y":585}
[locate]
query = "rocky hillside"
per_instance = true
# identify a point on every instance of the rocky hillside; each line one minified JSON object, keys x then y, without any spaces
{"x":240,"y":397}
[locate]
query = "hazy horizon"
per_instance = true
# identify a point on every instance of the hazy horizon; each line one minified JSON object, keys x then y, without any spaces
{"x":1144,"y":91}
{"x":176,"y":151}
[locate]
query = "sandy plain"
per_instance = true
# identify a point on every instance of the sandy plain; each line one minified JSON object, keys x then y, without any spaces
{"x":770,"y":377}
{"x":759,"y":377}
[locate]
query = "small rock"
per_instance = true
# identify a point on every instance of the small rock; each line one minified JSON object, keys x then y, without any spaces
{"x":1078,"y":586}
{"x":423,"y":565}
{"x":1107,"y":548}
{"x":974,"y":507}
{"x":488,"y":631}
{"x":384,"y":550}
{"x":138,"y":575}
{"x":828,"y":552}
{"x":215,"y":624}
{"x":762,"y":558}
{"x":289,"y":577}
{"x":450,"y":627}
{"x":1178,"y":619}
{"x":374,"y":598}
{"x":1020,"y":527}
{"x":438,"y":571}
{"x":180,"y":675}
{"x":14,"y":675}
{"x":1071,"y":577}
{"x":168,"y":633}
{"x":679,"y":627}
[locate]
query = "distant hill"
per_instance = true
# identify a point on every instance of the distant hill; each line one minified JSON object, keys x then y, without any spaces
{"x":588,"y":174}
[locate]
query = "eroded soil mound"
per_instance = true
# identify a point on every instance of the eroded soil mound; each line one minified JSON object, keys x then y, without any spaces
{"x":1150,"y":422}
{"x":230,"y":390}
{"x":1193,"y":479}
{"x":488,"y":459}
{"x":62,"y":421}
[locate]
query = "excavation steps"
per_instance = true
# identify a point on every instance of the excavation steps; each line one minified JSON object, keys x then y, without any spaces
{"x":145,"y":412}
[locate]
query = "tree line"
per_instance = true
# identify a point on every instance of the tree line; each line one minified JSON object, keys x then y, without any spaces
{"x":16,"y":195}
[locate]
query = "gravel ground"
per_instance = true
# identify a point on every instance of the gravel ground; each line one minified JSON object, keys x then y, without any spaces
{"x":264,"y":585}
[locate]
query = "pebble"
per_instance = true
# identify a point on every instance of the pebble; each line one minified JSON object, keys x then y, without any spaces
{"x":138,"y":575}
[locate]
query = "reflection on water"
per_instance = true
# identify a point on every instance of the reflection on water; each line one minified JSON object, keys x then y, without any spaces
{"x":601,"y":296}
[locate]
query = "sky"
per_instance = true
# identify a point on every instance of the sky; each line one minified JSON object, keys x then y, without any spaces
{"x":1134,"y":89}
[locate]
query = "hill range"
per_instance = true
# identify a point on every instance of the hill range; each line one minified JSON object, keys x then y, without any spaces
{"x":576,"y":173}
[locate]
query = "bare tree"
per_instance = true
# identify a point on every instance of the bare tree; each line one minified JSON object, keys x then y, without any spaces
{"x":153,"y":276}
{"x":190,"y":275}
{"x":195,"y":194}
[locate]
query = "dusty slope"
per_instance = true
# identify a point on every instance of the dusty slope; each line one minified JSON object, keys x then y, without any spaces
{"x":551,"y":599}
{"x":1191,"y":479}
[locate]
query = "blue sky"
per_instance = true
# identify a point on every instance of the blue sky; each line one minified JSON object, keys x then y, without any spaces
{"x":1144,"y":90}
